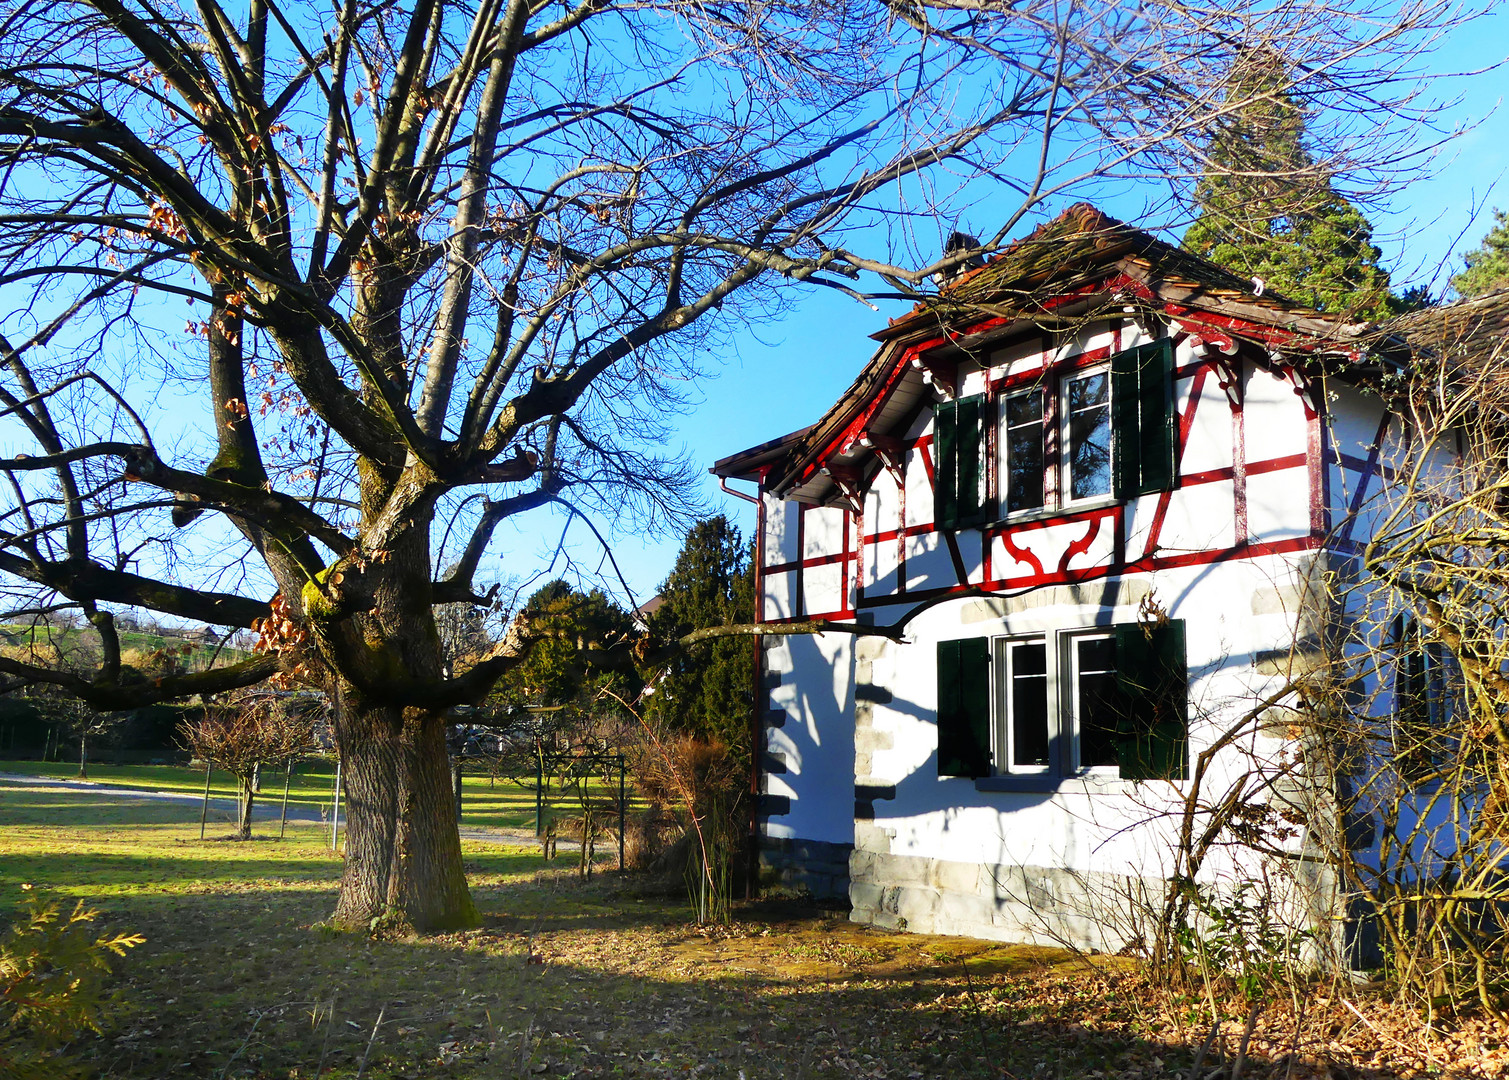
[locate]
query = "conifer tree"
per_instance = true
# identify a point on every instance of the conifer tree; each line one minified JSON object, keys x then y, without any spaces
{"x":558,"y":671}
{"x":706,"y":691}
{"x":1487,"y":267}
{"x":1268,"y":209}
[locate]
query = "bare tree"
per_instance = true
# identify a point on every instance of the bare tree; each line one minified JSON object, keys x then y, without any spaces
{"x":245,"y":732}
{"x":447,"y":264}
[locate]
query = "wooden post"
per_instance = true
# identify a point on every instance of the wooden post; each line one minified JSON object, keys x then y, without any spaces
{"x":335,"y":817}
{"x":287,"y":780}
{"x":623,"y":809}
{"x":204,"y":811}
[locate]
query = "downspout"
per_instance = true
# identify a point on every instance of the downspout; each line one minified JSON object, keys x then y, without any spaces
{"x":756,"y":729}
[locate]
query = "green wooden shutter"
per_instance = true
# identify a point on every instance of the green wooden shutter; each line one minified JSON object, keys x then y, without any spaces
{"x":1157,"y":423}
{"x":1144,"y":426}
{"x":970,"y":434}
{"x":1153,"y":734}
{"x":1126,"y":447}
{"x":964,"y":707}
{"x":959,"y":459}
{"x":946,"y":464}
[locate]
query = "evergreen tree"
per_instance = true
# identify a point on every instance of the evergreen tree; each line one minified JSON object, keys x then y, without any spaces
{"x":1488,"y":266}
{"x":1268,"y":210}
{"x":557,"y":672}
{"x":706,"y":691}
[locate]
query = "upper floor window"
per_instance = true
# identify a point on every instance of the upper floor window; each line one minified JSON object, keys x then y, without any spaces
{"x":1024,"y":446}
{"x":1087,"y":435}
{"x":1072,"y":437}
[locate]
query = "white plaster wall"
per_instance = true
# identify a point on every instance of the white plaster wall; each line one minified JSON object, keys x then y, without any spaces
{"x":882,"y":504}
{"x":1210,"y":434}
{"x":817,"y":695}
{"x":823,"y":532}
{"x":1234,"y":613}
{"x":880,"y":568}
{"x":1276,"y":425}
{"x":919,"y":489}
{"x":823,"y":589}
{"x":781,"y":530}
{"x":779,"y":596}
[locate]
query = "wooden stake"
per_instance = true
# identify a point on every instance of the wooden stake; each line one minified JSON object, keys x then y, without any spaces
{"x":287,"y":779}
{"x":204,"y":811}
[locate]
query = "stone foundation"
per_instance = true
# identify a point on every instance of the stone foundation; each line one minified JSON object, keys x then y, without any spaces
{"x":812,"y":867}
{"x":1028,"y":904}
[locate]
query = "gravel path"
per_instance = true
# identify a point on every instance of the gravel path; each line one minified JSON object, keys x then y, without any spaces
{"x":267,"y":808}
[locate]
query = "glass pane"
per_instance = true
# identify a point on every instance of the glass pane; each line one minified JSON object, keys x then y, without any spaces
{"x":1029,"y":703}
{"x":1097,"y":699}
{"x":1024,"y":408}
{"x":1024,"y":452}
{"x":1089,"y":437}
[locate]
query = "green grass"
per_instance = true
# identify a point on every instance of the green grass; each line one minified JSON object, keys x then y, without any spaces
{"x":69,"y":638}
{"x":237,"y":978}
{"x":240,"y":978}
{"x":485,"y":804}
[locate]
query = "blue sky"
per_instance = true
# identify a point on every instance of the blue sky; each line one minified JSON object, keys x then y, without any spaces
{"x":781,"y":375}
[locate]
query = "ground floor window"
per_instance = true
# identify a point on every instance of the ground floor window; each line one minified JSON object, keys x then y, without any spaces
{"x":1109,"y":701}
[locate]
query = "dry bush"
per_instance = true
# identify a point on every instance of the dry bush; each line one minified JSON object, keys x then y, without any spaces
{"x":242,"y":734}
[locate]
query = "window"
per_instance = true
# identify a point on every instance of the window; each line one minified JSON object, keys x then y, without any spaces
{"x":1022,"y":715}
{"x":1095,"y":699}
{"x":1109,"y":702}
{"x":1087,"y":435}
{"x":1024,"y":452}
{"x":1422,"y":702}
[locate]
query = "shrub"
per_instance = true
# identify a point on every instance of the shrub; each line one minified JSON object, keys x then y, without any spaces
{"x":53,"y":971}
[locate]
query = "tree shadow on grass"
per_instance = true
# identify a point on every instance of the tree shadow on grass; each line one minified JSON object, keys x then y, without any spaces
{"x":248,"y":984}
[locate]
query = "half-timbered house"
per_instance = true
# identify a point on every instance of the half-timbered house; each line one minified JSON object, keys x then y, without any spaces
{"x":1092,"y":483}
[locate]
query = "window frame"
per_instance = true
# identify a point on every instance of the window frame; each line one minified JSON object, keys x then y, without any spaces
{"x":1047,"y":410}
{"x":1069,"y":641}
{"x":1065,"y":713}
{"x":1065,"y":478}
{"x":1142,"y":411}
{"x":1003,"y":727}
{"x":1417,"y":757}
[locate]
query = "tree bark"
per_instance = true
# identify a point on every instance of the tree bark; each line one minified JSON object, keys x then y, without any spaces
{"x":403,"y":853}
{"x":243,"y":824}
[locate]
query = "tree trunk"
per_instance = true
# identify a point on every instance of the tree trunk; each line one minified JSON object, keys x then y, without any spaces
{"x":83,"y":755}
{"x":243,"y":823}
{"x":403,"y":853}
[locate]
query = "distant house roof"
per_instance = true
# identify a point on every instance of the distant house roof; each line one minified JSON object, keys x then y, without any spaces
{"x":1079,"y":265}
{"x":650,"y":606}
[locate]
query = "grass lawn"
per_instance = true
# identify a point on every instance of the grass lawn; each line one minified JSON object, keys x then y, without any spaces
{"x":238,"y":978}
{"x":484,"y":804}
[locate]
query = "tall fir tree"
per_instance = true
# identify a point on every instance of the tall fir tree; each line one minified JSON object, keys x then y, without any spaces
{"x":1488,"y":267}
{"x":706,"y":692}
{"x":557,"y":671}
{"x":1267,"y":210}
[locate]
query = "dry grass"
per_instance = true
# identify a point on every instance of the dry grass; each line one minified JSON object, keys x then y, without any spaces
{"x":238,"y":979}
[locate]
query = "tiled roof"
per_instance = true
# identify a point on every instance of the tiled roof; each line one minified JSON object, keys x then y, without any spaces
{"x":1468,"y":328}
{"x":1073,"y":253}
{"x":1077,"y":247}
